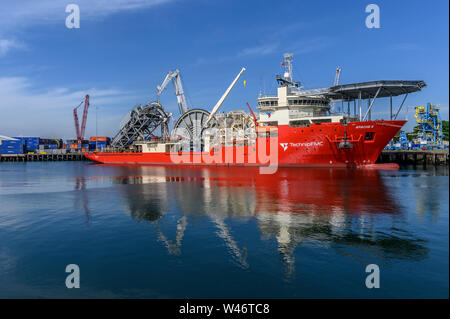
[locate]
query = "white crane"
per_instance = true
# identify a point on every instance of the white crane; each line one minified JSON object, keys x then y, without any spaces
{"x":222,"y":99}
{"x":336,"y":83}
{"x":176,"y":79}
{"x":337,"y":76}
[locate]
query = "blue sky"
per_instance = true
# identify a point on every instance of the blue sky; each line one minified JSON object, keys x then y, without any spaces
{"x":124,"y":48}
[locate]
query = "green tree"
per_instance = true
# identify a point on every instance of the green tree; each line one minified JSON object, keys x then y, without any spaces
{"x":412,"y":135}
{"x":445,"y":129}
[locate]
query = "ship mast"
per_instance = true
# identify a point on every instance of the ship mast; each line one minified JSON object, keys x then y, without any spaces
{"x":288,"y":66}
{"x":287,"y":78}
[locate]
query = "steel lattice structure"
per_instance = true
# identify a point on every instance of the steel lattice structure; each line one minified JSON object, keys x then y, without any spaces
{"x":140,"y":123}
{"x":429,"y":120}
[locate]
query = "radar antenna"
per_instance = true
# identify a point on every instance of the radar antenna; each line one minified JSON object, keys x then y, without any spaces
{"x":287,"y":78}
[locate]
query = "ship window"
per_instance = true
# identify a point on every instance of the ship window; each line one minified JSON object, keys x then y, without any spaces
{"x":369,"y":136}
{"x":274,"y":123}
{"x":321,"y":121}
{"x":301,"y":123}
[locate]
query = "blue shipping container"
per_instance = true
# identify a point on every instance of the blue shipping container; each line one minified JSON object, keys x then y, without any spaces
{"x":11,"y":150}
{"x":30,"y":143}
{"x":10,"y":142}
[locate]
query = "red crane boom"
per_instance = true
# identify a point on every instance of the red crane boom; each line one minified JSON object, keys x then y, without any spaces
{"x":253,"y":114}
{"x":80,"y":132}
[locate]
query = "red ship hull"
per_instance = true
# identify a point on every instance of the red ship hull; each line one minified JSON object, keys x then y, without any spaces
{"x":319,"y":145}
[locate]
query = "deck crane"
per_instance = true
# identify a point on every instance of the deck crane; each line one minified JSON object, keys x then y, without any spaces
{"x":174,"y":76}
{"x":255,"y":120}
{"x":80,"y":132}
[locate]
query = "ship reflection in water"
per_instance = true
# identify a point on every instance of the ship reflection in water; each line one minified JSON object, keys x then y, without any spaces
{"x":327,"y":208}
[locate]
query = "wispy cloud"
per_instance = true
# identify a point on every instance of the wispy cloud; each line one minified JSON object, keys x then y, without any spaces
{"x":259,"y":50}
{"x":26,"y":111}
{"x":404,"y":46}
{"x":310,"y":45}
{"x":17,"y":15}
{"x":7,"y":45}
{"x":297,"y":47}
{"x":28,"y":12}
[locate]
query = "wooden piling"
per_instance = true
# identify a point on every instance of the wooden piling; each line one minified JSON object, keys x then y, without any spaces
{"x":42,"y":157}
{"x":415,"y":157}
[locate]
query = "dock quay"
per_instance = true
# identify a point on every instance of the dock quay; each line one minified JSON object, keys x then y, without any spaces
{"x":415,"y":157}
{"x":42,"y":157}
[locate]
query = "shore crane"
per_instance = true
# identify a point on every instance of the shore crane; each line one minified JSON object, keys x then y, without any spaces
{"x":175,"y":77}
{"x":80,"y":132}
{"x":337,"y":76}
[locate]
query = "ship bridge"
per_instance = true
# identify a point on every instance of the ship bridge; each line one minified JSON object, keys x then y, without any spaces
{"x":293,"y":104}
{"x":314,"y":103}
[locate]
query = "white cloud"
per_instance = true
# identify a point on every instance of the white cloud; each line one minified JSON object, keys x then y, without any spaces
{"x":8,"y":44}
{"x":304,"y":46}
{"x":250,"y":51}
{"x":259,"y":50}
{"x":28,"y":12}
{"x":16,"y":15}
{"x":310,"y":45}
{"x":26,"y":111}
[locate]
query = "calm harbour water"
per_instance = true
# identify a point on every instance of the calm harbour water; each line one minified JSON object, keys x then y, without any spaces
{"x":168,"y":232}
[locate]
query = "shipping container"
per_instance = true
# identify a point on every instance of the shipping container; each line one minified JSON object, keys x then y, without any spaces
{"x":93,"y":147}
{"x":100,"y":139}
{"x":11,"y":150}
{"x":102,"y":144}
{"x":11,"y":146}
{"x":15,"y":150}
{"x":51,"y":141}
{"x":11,"y":142}
{"x":30,"y":143}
